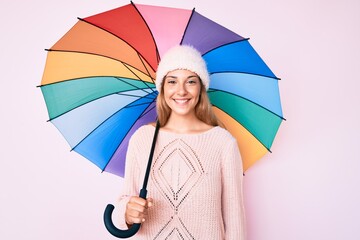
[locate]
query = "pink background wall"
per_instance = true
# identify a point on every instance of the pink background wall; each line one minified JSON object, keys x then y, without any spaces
{"x":308,"y":188}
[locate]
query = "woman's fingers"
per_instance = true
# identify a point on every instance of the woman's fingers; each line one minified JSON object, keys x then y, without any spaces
{"x":136,"y":209}
{"x":149,"y":202}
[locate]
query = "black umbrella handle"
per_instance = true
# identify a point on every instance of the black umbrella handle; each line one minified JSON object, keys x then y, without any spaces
{"x":113,"y":229}
{"x":143,"y":192}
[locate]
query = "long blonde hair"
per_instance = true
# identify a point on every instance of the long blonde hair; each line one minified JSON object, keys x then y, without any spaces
{"x":203,"y":109}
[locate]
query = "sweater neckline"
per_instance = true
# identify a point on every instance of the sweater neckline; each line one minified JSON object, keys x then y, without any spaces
{"x":186,"y":134}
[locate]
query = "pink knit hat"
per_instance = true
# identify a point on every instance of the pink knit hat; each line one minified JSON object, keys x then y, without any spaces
{"x":182,"y":57}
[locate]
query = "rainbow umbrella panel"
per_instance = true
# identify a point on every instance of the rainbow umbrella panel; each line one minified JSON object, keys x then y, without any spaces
{"x":98,"y":82}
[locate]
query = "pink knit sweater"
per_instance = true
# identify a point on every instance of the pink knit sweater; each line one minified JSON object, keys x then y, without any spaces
{"x":195,"y":181}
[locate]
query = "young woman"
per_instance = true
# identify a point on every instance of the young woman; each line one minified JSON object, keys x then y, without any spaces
{"x":195,"y":185}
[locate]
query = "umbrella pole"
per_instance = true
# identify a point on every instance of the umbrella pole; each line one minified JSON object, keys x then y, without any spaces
{"x":143,"y":192}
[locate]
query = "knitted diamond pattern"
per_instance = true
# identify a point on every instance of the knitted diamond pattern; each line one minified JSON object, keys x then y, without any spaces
{"x":176,"y":172}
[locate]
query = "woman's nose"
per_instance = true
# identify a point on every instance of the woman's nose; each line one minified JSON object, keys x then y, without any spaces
{"x":181,"y":89}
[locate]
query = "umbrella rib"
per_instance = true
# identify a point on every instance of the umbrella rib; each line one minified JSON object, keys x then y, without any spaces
{"x":145,"y":68}
{"x":187,"y":25}
{"x":98,"y":126}
{"x":182,"y":39}
{"x":143,"y":89}
{"x":225,"y":44}
{"x":83,"y":78}
{"x":100,"y":55}
{"x":244,"y":39}
{"x":246,"y":99}
{"x":82,"y":52}
{"x":152,"y":36}
{"x":131,"y":95}
{"x":140,"y":104}
{"x":80,"y":19}
{"x":142,"y":114}
{"x":140,"y":79}
{"x":246,"y":130}
{"x":148,"y":111}
{"x":51,"y":119}
{"x":249,"y":73}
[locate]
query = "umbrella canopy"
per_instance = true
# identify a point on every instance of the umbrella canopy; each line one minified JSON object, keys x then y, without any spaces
{"x":98,"y":82}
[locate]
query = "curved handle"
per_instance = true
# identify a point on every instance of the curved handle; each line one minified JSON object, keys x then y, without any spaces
{"x":143,"y":192}
{"x":113,"y":229}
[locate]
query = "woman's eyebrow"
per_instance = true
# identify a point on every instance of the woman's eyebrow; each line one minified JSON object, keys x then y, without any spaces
{"x":169,"y":76}
{"x":191,"y":76}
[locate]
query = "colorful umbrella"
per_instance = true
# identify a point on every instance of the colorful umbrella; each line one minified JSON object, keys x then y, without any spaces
{"x":98,"y":82}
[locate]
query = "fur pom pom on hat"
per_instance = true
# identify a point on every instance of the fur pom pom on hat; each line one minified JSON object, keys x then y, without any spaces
{"x":182,"y":57}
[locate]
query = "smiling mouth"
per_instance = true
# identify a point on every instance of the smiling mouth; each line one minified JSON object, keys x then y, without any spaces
{"x":181,"y":101}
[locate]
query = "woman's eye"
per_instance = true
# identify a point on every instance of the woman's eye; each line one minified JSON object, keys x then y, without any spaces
{"x":171,"y":81}
{"x":192,"y":81}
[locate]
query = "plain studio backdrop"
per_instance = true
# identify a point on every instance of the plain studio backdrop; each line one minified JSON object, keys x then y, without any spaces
{"x":308,"y":188}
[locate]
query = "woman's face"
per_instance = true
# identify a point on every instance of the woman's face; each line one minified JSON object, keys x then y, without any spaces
{"x":182,"y":91}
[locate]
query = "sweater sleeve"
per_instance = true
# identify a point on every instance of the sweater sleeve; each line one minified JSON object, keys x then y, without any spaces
{"x":130,"y":185}
{"x":232,"y":193}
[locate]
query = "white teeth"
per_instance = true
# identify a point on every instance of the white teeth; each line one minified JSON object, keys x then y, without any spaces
{"x":181,"y":101}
